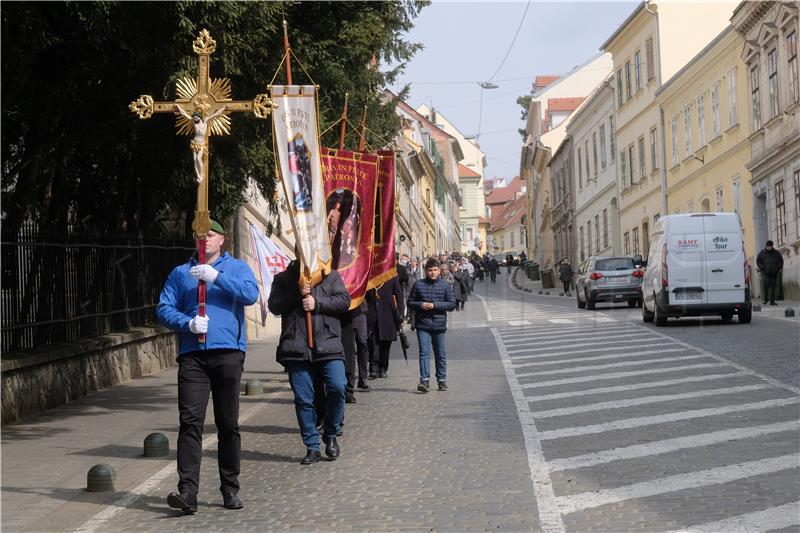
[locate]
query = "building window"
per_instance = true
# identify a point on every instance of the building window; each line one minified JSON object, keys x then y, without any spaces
{"x":635,"y":239}
{"x":580,"y":231}
{"x":611,"y":145}
{"x":755,"y":98}
{"x":687,"y":131}
{"x":797,"y":198}
{"x":654,"y":149}
{"x":594,"y":152}
{"x":631,"y":164}
{"x":580,"y":169}
{"x":470,"y":235}
{"x":715,"y":125}
{"x":642,"y":159}
{"x":597,"y":234}
{"x":772,"y":82}
{"x":589,"y":237}
{"x":651,"y":64}
{"x":637,"y":69}
{"x":605,"y":228}
{"x":511,"y":239}
{"x":628,"y":93}
{"x":674,"y":137}
{"x":701,"y":121}
{"x":736,"y":196}
{"x":780,"y":213}
{"x":619,"y":88}
{"x":603,"y":158}
{"x":623,"y":168}
{"x":791,"y":53}
{"x":733,"y":117}
{"x":586,"y":153}
{"x":720,"y":204}
{"x":626,"y":243}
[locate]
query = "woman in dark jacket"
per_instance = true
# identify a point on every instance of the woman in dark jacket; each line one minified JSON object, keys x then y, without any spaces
{"x":385,"y":306}
{"x":565,"y":274}
{"x":460,"y":286}
{"x":431,"y":298}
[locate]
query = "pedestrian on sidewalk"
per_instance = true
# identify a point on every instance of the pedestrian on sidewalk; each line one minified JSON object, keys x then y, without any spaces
{"x":214,"y":366}
{"x":565,"y":274}
{"x":770,"y":263}
{"x":328,"y":301}
{"x":431,"y":298}
{"x":460,"y":286}
{"x":356,"y":351}
{"x":385,"y":306}
{"x":494,"y":268}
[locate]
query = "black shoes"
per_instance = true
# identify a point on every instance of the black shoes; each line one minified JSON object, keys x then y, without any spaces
{"x":331,"y":448}
{"x":183,"y":501}
{"x":362,"y":384}
{"x":772,"y":303}
{"x":423,"y":387}
{"x":312,"y":456}
{"x":372,"y":375}
{"x":231,"y":501}
{"x":349,"y":397}
{"x":382,"y":374}
{"x":442,"y":386}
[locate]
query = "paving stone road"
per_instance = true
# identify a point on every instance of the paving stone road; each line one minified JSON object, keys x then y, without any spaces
{"x":556,"y":420}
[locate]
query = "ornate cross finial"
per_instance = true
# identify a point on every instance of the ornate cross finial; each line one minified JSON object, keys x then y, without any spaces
{"x":204,"y":44}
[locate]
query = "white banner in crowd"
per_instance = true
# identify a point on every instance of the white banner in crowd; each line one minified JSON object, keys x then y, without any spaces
{"x":270,"y":260}
{"x":296,"y":138}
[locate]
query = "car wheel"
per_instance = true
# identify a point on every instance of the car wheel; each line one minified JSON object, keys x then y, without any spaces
{"x":581,"y":305}
{"x":589,"y":302}
{"x":631,"y":303}
{"x":647,"y":316}
{"x":746,"y":315}
{"x":658,"y":315}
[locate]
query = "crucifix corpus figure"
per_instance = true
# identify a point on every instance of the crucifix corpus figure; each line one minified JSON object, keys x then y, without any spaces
{"x":199,"y":143}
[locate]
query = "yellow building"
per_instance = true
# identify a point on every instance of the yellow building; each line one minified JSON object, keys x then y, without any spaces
{"x":650,"y":46}
{"x":704,"y":108}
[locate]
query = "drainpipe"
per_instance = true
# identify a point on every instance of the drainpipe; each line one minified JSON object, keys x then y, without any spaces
{"x":657,"y":55}
{"x":663,"y":172}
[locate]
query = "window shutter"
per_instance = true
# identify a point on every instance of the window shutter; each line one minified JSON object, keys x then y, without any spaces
{"x":651,"y":70}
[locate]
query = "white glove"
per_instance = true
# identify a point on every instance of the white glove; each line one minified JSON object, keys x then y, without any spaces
{"x":199,"y":324}
{"x":206,"y":273}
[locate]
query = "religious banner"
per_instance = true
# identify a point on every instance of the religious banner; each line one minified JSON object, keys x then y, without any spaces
{"x":270,"y":260}
{"x":350,"y":182}
{"x":296,"y":138}
{"x":383,"y":262}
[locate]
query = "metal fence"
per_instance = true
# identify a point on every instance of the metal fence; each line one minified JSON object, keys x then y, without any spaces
{"x":64,"y":287}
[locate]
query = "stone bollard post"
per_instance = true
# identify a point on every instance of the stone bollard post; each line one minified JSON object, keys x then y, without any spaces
{"x":789,"y":312}
{"x":254,"y":387}
{"x":156,"y":445}
{"x":100,"y":478}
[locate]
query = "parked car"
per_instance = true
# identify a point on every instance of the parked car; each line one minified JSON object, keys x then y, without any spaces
{"x":697,"y":266}
{"x":608,"y":279}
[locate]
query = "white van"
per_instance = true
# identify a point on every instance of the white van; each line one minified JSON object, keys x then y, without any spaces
{"x":697,"y":266}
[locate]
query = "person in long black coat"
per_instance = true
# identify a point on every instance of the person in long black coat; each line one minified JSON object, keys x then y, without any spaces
{"x":460,"y":286}
{"x":385,"y":306}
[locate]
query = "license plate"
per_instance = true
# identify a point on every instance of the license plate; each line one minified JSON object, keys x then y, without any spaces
{"x":619,"y":280}
{"x":688,"y":295}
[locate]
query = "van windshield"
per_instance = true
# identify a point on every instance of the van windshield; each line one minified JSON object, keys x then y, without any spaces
{"x":617,"y":263}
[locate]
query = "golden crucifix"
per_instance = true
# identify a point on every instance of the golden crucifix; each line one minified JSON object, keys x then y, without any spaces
{"x":202,"y":108}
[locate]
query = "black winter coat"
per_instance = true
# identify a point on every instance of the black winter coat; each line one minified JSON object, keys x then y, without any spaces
{"x":769,"y":262}
{"x":332,"y":301}
{"x":382,"y":313}
{"x":461,"y":285}
{"x":440,"y":293}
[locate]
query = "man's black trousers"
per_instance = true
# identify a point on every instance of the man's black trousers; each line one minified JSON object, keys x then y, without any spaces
{"x":199,"y":373}
{"x":354,"y":339}
{"x":770,"y":285}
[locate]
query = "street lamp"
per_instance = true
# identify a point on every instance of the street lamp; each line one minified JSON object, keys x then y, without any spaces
{"x":483,"y":85}
{"x":488,"y":85}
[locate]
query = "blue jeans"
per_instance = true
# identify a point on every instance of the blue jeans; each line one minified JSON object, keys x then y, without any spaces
{"x":301,"y":378}
{"x":427,"y":340}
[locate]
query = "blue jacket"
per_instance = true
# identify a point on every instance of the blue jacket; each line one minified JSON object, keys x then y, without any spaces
{"x":441,"y":294}
{"x":234,"y":288}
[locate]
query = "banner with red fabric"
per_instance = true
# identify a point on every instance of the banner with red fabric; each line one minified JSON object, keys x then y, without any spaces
{"x":349,"y":182}
{"x":383,"y":261}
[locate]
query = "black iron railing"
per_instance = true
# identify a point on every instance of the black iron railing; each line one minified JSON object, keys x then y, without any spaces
{"x":61,"y":287}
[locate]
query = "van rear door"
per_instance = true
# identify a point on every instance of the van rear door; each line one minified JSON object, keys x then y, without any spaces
{"x":686,"y":261}
{"x":724,"y":259}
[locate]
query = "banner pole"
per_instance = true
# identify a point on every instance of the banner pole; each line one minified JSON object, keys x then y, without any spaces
{"x":344,"y":122}
{"x":288,"y":51}
{"x":362,"y":142}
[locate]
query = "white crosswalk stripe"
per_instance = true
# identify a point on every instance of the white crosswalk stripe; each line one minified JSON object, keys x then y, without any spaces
{"x":596,"y":364}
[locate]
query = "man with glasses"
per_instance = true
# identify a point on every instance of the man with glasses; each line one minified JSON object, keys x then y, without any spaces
{"x":214,"y":366}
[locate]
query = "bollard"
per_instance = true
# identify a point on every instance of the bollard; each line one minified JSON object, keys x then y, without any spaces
{"x":156,"y":445}
{"x":547,"y":293}
{"x":100,"y":478}
{"x":789,"y":312}
{"x":756,"y":307}
{"x":561,"y":294}
{"x":540,"y":292}
{"x":254,"y":387}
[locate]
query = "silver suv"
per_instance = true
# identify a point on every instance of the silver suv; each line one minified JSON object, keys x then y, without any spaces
{"x":609,"y":279}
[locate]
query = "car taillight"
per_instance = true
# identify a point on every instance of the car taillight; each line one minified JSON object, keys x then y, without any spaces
{"x":664,"y":269}
{"x":746,"y":269}
{"x":638,"y":273}
{"x":595,"y":275}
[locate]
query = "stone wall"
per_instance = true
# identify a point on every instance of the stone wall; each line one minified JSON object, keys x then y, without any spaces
{"x":36,"y":381}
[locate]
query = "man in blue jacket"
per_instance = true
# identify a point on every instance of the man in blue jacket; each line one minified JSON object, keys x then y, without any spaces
{"x":431,"y":298}
{"x":212,"y":366}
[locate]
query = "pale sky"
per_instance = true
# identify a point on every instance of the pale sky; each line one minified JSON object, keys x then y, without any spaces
{"x":465,"y":43}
